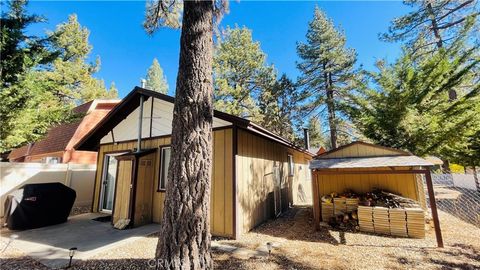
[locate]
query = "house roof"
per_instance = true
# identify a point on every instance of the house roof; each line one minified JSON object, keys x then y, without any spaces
{"x":20,"y":152}
{"x":369,"y":162}
{"x":56,"y":139}
{"x":59,"y":137}
{"x":131,"y":102}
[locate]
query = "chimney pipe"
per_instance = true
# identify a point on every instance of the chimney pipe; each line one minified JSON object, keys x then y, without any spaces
{"x":306,"y":138}
{"x":143,"y":82}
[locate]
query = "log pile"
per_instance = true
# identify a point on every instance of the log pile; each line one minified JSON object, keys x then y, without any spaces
{"x":378,"y":211}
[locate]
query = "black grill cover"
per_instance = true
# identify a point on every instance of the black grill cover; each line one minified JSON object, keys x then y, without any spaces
{"x":41,"y":205}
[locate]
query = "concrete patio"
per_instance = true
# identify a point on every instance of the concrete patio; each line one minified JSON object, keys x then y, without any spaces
{"x":50,"y":245}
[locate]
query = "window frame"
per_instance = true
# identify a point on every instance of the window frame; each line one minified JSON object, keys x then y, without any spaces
{"x":290,"y":165}
{"x":160,"y":168}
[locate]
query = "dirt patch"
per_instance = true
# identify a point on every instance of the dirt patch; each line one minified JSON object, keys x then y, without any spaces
{"x":299,"y":246}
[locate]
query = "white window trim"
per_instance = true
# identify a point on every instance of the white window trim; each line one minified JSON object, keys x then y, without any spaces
{"x":160,"y":188}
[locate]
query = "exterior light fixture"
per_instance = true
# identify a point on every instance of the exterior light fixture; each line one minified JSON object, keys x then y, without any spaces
{"x":269,"y":247}
{"x":71,"y":253}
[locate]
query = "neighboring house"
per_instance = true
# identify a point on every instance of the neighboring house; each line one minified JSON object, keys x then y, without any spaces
{"x":255,"y":176}
{"x":57,"y":145}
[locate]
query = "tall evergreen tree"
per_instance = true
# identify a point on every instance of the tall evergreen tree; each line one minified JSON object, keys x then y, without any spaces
{"x":410,"y":109}
{"x":433,"y":24}
{"x":317,"y":137}
{"x":184,"y":241}
{"x":327,"y":69}
{"x":26,"y":112}
{"x":19,"y":50}
{"x":156,"y":81}
{"x":241,"y":73}
{"x":278,"y":106}
{"x":70,"y":76}
{"x":54,"y":78}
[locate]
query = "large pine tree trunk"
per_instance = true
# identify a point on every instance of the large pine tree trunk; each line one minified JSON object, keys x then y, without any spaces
{"x":330,"y":108}
{"x":436,"y":31}
{"x":331,"y":118}
{"x":184,"y":240}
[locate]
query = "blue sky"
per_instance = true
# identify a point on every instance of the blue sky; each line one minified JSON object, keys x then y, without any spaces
{"x":126,"y":51}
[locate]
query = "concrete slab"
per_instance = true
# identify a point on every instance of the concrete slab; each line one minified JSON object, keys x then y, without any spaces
{"x":50,"y":244}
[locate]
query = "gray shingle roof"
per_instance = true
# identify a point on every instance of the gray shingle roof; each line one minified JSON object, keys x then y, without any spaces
{"x":368,"y":162}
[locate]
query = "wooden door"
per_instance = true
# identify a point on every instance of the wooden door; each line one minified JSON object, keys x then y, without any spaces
{"x":144,"y":191}
{"x":122,"y":190}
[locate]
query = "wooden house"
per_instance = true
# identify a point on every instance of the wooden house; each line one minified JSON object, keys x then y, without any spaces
{"x":255,"y":176}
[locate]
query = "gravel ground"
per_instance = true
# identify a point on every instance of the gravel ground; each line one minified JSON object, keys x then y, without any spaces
{"x":77,"y":210}
{"x":298,"y":246}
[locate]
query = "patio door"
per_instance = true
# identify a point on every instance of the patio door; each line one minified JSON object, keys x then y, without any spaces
{"x":108,"y":182}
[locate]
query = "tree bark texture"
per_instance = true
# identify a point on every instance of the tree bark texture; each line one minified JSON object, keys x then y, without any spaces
{"x":184,"y":241}
{"x":330,"y":108}
{"x":331,"y":118}
{"x":435,"y":29}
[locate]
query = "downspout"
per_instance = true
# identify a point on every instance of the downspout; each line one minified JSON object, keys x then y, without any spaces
{"x":140,"y":124}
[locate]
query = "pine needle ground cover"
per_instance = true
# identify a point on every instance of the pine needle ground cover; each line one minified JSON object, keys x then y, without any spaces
{"x":298,"y":246}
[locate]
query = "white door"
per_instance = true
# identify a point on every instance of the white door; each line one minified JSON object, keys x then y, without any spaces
{"x":108,"y":183}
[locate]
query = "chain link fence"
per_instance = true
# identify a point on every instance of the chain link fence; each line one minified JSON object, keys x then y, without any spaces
{"x":458,"y":195}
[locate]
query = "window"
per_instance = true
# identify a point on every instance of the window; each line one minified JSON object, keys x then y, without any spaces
{"x":291,"y":165}
{"x":52,"y":160}
{"x":164,"y":162}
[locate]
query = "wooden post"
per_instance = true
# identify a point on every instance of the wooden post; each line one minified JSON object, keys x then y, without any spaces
{"x":433,"y":206}
{"x":316,"y":201}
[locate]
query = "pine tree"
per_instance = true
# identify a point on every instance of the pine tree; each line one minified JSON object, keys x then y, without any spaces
{"x":53,"y":80}
{"x":409,"y":108}
{"x":241,"y":73}
{"x":26,"y":111}
{"x":278,"y":106}
{"x":433,"y":24}
{"x":19,"y":50}
{"x":156,"y":81}
{"x":317,"y":137}
{"x":70,"y":76}
{"x":327,"y":69}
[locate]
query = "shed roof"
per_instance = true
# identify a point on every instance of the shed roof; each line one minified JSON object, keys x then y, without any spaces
{"x":368,"y":162}
{"x":362,"y":149}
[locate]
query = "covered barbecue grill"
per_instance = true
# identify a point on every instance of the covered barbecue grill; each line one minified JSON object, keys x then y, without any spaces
{"x":38,"y":205}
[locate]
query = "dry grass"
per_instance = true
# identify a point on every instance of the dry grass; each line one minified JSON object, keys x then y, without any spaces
{"x":300,"y":247}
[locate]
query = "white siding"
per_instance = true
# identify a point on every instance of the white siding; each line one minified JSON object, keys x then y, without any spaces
{"x":162,"y":117}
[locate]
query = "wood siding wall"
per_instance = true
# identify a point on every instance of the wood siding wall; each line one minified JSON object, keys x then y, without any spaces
{"x":361,"y":150}
{"x":255,"y":162}
{"x":221,"y":212}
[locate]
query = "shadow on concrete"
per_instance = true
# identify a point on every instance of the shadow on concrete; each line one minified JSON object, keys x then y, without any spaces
{"x":50,"y":244}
